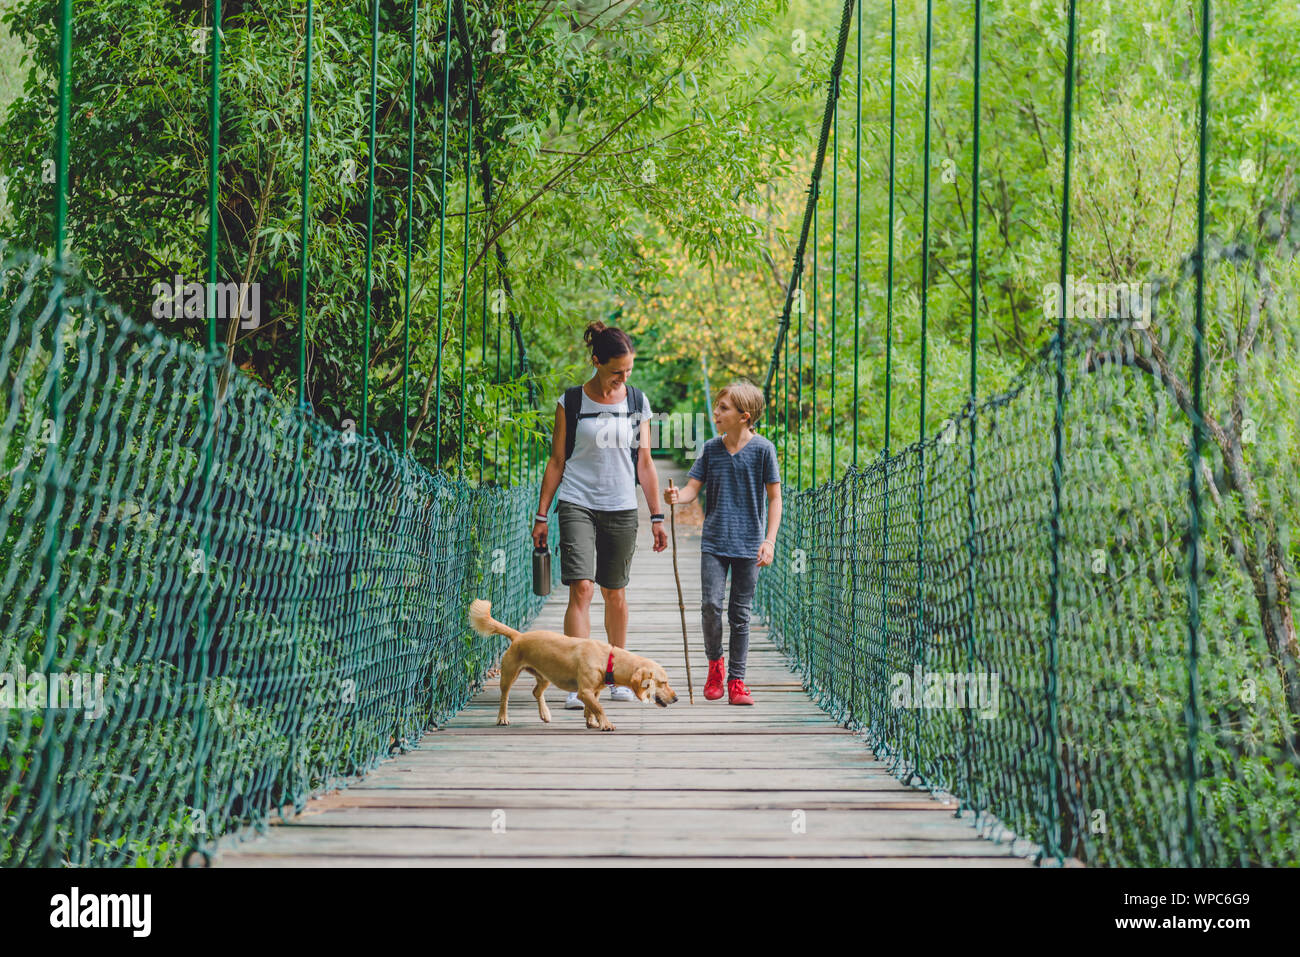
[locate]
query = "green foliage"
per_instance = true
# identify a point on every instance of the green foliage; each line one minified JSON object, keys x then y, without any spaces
{"x":11,"y":84}
{"x":571,"y":106}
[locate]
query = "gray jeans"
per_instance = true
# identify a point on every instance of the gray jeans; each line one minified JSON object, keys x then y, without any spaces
{"x":713,"y":579}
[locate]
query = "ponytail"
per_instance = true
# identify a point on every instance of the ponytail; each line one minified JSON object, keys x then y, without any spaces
{"x":606,"y":342}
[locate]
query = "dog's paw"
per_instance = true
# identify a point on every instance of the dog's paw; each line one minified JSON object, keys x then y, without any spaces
{"x":546,"y":714}
{"x":502,"y":721}
{"x":606,"y":727}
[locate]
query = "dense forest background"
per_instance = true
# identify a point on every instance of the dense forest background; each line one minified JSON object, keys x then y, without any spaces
{"x":648,"y":163}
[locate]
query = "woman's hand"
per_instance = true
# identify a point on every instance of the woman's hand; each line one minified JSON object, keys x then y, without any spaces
{"x":539,"y":534}
{"x":766,"y":552}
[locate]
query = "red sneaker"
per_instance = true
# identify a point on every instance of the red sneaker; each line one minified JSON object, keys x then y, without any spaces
{"x":713,"y":686}
{"x":737,"y":693}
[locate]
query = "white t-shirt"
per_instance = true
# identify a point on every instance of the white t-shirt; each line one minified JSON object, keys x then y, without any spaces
{"x":600,"y":474}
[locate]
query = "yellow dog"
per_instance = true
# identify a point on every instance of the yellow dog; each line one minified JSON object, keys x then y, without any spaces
{"x":583,"y":665}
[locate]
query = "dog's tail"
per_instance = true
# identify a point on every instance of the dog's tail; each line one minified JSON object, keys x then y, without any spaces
{"x":481,"y":620}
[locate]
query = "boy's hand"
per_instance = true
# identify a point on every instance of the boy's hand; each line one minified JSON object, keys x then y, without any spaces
{"x":766,"y":552}
{"x":670,"y":496}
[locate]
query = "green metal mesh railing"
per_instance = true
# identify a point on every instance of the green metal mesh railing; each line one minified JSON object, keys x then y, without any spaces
{"x":1121,"y":676}
{"x":263,"y":632}
{"x":212,"y":604}
{"x":1071,"y":607}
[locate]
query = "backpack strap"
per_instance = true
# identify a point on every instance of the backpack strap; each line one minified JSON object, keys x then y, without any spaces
{"x":634,"y":406}
{"x":572,"y":405}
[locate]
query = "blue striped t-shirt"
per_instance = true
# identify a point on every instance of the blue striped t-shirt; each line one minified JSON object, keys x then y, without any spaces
{"x":736,"y":486}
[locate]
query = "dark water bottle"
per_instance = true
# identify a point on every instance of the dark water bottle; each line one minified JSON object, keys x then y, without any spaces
{"x":541,"y":571}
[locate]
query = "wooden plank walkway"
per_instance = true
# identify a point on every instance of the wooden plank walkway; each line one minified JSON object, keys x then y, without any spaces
{"x":775,"y":784}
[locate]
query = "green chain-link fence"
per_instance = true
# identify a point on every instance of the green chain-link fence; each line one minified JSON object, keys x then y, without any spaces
{"x":247,"y":607}
{"x":884,"y":641}
{"x":1072,"y":607}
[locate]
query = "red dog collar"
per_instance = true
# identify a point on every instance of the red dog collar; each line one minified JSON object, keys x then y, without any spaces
{"x":609,"y":670}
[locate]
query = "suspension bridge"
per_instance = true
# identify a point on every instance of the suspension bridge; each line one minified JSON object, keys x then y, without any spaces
{"x":786,"y":785}
{"x":273,"y":594}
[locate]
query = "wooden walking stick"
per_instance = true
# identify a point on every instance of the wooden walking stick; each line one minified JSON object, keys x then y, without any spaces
{"x":681,"y":603}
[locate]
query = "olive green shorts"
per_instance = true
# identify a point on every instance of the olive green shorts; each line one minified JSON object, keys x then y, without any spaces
{"x":595,"y":545}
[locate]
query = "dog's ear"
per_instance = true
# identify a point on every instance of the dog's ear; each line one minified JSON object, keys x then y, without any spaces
{"x":639,"y":679}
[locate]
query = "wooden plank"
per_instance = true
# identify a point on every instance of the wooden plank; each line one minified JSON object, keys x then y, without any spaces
{"x":336,"y":861}
{"x":527,"y":763}
{"x":686,"y":743}
{"x":901,"y":824}
{"x":557,"y":842}
{"x":580,"y":731}
{"x":665,"y":779}
{"x":362,"y":796}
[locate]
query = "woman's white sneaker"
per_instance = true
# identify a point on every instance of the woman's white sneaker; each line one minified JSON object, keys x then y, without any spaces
{"x":621,"y":693}
{"x":573,"y":702}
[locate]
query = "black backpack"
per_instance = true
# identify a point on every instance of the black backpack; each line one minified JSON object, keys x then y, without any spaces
{"x":573,"y":402}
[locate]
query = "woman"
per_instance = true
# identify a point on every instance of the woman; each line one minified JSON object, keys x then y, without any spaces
{"x":596,"y":477}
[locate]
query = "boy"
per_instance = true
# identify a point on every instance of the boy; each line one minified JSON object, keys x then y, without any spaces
{"x":738,"y":468}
